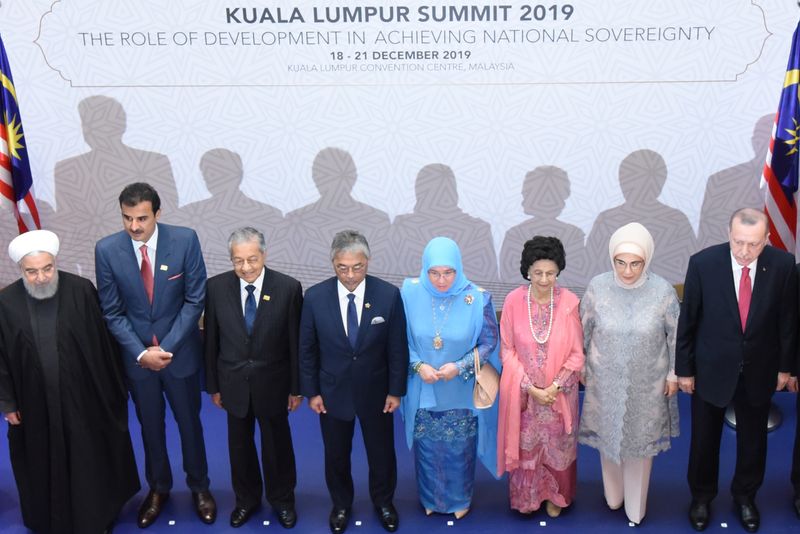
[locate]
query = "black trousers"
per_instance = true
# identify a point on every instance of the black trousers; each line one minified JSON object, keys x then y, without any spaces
{"x":751,"y":447}
{"x":378,"y":432}
{"x":277,"y":460}
{"x":796,"y":454}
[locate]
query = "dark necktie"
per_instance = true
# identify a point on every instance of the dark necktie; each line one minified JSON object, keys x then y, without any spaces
{"x":745,"y":294}
{"x":250,"y":308}
{"x":352,"y":320}
{"x":147,"y":274}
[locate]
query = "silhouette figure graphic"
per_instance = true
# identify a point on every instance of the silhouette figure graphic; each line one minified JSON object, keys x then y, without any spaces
{"x":642,"y":175}
{"x":436,"y":213}
{"x":734,"y":188}
{"x":217,"y":217}
{"x":87,"y":186}
{"x":544,"y":194}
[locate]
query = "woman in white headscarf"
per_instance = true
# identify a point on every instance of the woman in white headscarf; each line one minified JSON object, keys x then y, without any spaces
{"x":630,"y":411}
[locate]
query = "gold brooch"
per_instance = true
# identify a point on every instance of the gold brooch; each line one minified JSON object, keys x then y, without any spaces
{"x":469,"y":299}
{"x":265,"y":297}
{"x":367,"y":305}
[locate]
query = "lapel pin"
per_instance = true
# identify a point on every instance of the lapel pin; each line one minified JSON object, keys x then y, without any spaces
{"x":367,"y":305}
{"x":265,"y":297}
{"x":164,"y":267}
{"x":469,"y":299}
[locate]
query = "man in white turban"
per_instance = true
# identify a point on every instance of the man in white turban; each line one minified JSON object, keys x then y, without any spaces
{"x":62,"y":394}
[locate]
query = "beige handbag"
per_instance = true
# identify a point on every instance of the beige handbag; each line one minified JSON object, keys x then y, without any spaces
{"x":487,"y":382}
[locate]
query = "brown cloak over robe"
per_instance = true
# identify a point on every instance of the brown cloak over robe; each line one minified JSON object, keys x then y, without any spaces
{"x":72,"y":456}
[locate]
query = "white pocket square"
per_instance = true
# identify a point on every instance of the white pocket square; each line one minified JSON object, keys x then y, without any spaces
{"x":377,"y":320}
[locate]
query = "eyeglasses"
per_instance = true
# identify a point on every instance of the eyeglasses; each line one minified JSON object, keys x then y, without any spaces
{"x":634,"y":265}
{"x":438,"y":275}
{"x":239,"y":262}
{"x":358,"y":268}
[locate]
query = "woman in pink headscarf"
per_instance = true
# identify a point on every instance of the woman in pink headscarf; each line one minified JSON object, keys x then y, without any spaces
{"x":542,"y":354}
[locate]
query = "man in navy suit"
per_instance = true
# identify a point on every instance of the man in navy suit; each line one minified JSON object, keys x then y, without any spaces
{"x":151,"y":280}
{"x":251,"y":325}
{"x":354,"y":363}
{"x":737,"y":337}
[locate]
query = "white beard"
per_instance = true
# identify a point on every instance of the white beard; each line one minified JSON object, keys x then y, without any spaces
{"x":42,"y":292}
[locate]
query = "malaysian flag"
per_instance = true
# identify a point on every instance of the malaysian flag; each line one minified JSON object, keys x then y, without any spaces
{"x":781,"y":167}
{"x":16,"y":182}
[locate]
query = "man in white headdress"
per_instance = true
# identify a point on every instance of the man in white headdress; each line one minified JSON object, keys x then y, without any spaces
{"x":63,"y":396}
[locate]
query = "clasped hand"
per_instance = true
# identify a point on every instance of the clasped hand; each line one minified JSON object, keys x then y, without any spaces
{"x":430,"y":375}
{"x":546,"y":396}
{"x":155,"y":358}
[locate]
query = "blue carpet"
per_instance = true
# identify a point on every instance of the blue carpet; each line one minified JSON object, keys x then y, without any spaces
{"x":667,"y":504}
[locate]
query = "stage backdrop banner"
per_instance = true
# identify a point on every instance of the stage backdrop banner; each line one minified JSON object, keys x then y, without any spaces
{"x":486,"y":122}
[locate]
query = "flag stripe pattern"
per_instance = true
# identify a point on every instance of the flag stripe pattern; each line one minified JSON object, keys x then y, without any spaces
{"x":781,"y":168}
{"x":16,"y":181}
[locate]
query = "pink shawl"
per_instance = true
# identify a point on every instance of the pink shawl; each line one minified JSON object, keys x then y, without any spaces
{"x":565,"y":349}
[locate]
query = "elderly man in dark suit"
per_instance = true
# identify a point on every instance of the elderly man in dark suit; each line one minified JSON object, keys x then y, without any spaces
{"x":251,"y":325}
{"x":354,"y":363}
{"x":737,"y":337}
{"x":793,"y":386}
{"x":151,"y":280}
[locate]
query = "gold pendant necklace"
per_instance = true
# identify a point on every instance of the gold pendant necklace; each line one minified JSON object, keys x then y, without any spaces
{"x":438,"y":343}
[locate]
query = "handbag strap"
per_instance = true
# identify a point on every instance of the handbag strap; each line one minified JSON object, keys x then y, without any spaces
{"x":477,"y":361}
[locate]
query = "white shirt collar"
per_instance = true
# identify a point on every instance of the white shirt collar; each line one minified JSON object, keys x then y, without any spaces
{"x":737,"y":269}
{"x":152,"y":243}
{"x":258,"y":282}
{"x":359,"y":291}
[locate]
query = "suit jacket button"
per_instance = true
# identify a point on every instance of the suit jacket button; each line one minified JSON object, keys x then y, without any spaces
{"x":355,"y":357}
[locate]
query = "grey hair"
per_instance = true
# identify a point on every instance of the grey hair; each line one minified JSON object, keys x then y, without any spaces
{"x":245,"y":234}
{"x":349,"y":241}
{"x":748,"y":217}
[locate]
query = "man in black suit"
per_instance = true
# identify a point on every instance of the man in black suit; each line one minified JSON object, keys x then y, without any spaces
{"x":354,"y":363}
{"x":793,"y":386}
{"x":251,"y":326}
{"x":737,"y":337}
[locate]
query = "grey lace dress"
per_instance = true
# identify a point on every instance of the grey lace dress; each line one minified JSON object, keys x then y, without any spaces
{"x":629,"y":340}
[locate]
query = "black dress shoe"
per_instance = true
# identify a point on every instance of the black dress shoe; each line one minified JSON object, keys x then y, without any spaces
{"x":287,"y":517}
{"x":698,"y":515}
{"x":240,"y":515}
{"x":389,"y":519}
{"x":151,"y":508}
{"x":797,"y":505}
{"x":748,"y":516}
{"x":338,"y":520}
{"x":205,"y":505}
